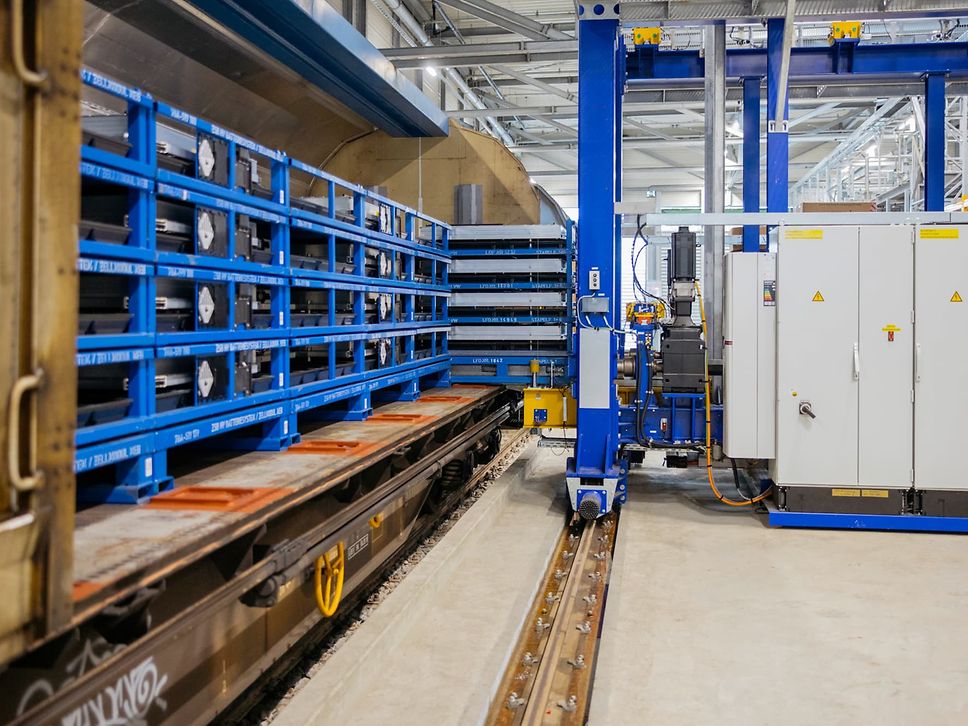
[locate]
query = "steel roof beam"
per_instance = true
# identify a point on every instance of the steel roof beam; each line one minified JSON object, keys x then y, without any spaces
{"x":507,"y":19}
{"x":534,"y":82}
{"x":640,"y":103}
{"x":813,"y":113}
{"x":691,"y":141}
{"x":484,"y":53}
{"x":857,"y":138}
{"x":487,"y":31}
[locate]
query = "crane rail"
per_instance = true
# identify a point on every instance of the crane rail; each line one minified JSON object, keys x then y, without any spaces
{"x":550,"y":676}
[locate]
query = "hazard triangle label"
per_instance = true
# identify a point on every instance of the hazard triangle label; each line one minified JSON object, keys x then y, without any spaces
{"x":956,"y":297}
{"x":817,"y":297}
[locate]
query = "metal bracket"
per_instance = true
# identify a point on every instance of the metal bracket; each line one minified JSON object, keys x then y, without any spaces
{"x":772,"y":129}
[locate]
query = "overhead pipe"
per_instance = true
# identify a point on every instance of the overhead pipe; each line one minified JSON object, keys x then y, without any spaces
{"x":416,"y":29}
{"x":779,"y":115}
{"x":714,"y":181}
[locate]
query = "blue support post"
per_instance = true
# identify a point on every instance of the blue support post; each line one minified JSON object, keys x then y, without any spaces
{"x":594,"y":474}
{"x":934,"y":109}
{"x":751,"y":160}
{"x":777,"y":140}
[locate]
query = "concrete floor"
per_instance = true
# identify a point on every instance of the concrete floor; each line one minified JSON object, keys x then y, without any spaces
{"x":435,"y":650}
{"x":712,"y":618}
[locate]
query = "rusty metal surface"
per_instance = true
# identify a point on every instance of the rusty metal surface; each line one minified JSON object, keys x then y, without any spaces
{"x":39,"y":202}
{"x":119,"y":548}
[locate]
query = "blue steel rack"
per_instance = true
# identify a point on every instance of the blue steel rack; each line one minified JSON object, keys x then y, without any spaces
{"x":369,"y":297}
{"x":523,"y":261}
{"x":191,"y":323}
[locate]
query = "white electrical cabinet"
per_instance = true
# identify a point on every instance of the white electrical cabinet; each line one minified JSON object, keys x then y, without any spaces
{"x":749,"y":356}
{"x":941,"y":349}
{"x":866,"y":393}
{"x":817,"y":389}
{"x":845,"y":356}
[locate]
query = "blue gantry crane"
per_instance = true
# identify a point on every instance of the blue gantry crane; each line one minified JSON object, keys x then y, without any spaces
{"x":675,"y":372}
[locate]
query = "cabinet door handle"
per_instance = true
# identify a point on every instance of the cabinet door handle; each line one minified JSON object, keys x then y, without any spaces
{"x":917,"y":363}
{"x":856,"y":361}
{"x":20,"y":388}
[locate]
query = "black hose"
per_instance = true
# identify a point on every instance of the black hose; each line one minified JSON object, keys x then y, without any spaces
{"x":736,"y":480}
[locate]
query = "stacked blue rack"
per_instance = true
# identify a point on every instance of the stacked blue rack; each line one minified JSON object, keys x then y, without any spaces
{"x":513,"y":304}
{"x":227,"y":289}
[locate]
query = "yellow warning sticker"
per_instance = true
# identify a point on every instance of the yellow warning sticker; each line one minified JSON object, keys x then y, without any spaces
{"x":956,"y":297}
{"x":876,"y":493}
{"x":891,"y":328}
{"x":845,"y":492}
{"x":817,"y":297}
{"x":804,"y":234}
{"x":939,"y":233}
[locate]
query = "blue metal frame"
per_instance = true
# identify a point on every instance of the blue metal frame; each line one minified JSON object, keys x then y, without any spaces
{"x":647,"y":64}
{"x":511,"y":252}
{"x":503,"y":363}
{"x":751,"y":159}
{"x":564,"y":367}
{"x":278,"y":261}
{"x":604,"y":73}
{"x":229,"y":281}
{"x":131,"y":471}
{"x":845,"y":60}
{"x":225,"y":398}
{"x":140,"y":158}
{"x":275,"y":160}
{"x":601,"y":82}
{"x":882,"y":522}
{"x":122,"y":445}
{"x":777,"y":139}
{"x":934,"y":141}
{"x":140,"y":326}
{"x":131,"y":415}
{"x":140,"y":243}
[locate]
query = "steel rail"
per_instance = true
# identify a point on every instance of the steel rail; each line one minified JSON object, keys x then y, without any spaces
{"x":543,"y":694}
{"x":549,"y":677}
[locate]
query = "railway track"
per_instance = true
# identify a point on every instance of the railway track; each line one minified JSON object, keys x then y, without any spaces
{"x":279,"y":681}
{"x":550,"y":675}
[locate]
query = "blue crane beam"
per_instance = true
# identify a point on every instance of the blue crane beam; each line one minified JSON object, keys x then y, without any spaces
{"x":647,"y":64}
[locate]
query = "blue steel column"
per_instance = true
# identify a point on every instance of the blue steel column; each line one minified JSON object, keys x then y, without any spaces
{"x":778,"y":141}
{"x":751,"y":160}
{"x":598,"y":120}
{"x":934,"y":109}
{"x":618,"y":309}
